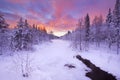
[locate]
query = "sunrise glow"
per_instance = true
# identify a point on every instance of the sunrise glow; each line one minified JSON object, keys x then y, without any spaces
{"x":59,"y":33}
{"x":54,"y":15}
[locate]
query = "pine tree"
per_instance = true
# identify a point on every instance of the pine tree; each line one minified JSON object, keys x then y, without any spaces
{"x":20,"y":23}
{"x":87,"y":27}
{"x":3,"y":23}
{"x":109,"y":28}
{"x":87,"y":30}
{"x":116,"y":23}
{"x":22,"y":38}
{"x":18,"y":40}
{"x":26,"y":24}
{"x":3,"y":34}
{"x":109,"y":18}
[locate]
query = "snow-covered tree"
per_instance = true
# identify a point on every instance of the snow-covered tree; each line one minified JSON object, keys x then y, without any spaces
{"x":4,"y":42}
{"x":22,"y":39}
{"x":35,"y":34}
{"x":116,"y":23}
{"x":87,"y":30}
{"x":20,"y":23}
{"x":109,"y":30}
{"x":97,"y":23}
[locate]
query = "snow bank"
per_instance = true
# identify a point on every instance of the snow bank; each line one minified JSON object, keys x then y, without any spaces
{"x":105,"y":59}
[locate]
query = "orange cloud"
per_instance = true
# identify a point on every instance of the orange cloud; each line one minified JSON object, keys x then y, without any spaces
{"x":55,"y":15}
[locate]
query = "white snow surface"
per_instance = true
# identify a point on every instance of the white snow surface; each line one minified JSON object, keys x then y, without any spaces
{"x":46,"y":63}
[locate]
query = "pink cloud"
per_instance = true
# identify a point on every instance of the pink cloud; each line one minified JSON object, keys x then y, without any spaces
{"x":58,"y":14}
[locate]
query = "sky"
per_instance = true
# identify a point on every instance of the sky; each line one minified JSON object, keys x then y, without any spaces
{"x":58,"y":16}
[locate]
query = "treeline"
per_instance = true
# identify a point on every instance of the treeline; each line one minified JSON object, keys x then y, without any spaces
{"x":20,"y":38}
{"x":98,"y":32}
